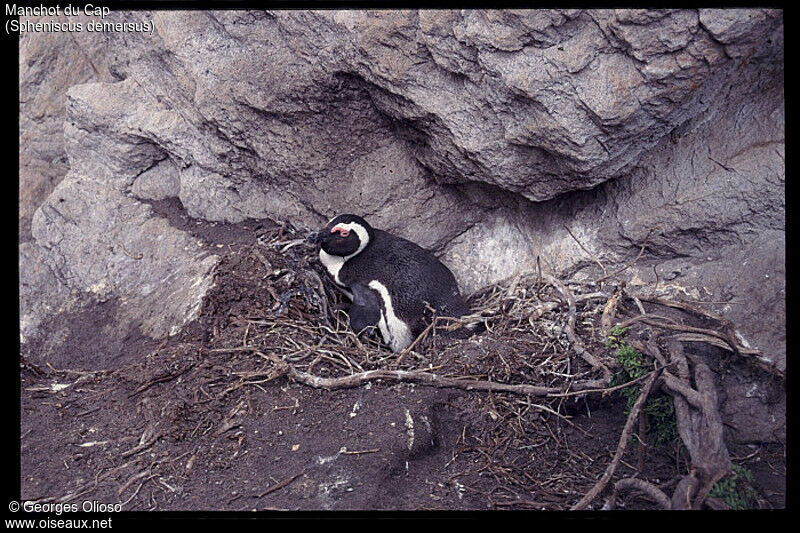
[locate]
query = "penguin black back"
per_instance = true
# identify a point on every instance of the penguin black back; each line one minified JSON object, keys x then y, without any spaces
{"x":412,"y":275}
{"x":409,"y":279}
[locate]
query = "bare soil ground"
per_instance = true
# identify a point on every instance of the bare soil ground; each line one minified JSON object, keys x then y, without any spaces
{"x":207,"y":421}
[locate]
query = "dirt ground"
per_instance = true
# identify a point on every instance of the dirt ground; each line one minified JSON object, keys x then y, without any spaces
{"x":204,"y":421}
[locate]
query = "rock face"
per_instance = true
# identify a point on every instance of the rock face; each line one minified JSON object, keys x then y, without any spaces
{"x":492,"y":137}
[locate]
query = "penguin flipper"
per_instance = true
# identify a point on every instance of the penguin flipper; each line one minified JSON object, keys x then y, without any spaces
{"x":366,"y":309}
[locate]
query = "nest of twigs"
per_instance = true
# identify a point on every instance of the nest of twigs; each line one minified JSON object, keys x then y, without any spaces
{"x":556,"y":332}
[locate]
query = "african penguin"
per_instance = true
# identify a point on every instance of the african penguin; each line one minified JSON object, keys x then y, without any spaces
{"x":391,"y":280}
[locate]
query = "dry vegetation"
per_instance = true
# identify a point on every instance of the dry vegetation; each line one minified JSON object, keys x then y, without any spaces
{"x":315,"y":347}
{"x":273,"y":315}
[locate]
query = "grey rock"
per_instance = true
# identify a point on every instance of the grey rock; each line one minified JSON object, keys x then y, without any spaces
{"x":733,"y":25}
{"x":108,"y":244}
{"x":45,"y":74}
{"x":39,"y":271}
{"x":157,"y":183}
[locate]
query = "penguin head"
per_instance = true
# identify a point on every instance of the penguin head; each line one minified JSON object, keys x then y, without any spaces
{"x":345,"y":235}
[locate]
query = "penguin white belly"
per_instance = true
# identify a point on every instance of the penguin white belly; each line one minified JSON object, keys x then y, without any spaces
{"x":394,"y":331}
{"x":332,"y":263}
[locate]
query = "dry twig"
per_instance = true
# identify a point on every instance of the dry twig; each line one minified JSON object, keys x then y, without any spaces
{"x":623,"y":442}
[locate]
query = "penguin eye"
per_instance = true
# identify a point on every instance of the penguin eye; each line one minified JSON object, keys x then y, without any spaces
{"x":341,"y":231}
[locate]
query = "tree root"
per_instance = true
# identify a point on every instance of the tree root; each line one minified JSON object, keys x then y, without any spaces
{"x":623,"y":442}
{"x":699,"y":421}
{"x":641,"y":486}
{"x":725,"y":337}
{"x":700,"y":428}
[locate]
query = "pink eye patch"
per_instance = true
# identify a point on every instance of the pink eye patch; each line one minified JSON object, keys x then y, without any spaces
{"x":341,"y":231}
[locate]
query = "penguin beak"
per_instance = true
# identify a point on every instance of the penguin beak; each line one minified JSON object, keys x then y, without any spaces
{"x":313,"y":237}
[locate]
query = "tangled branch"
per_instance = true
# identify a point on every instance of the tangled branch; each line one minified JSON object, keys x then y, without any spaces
{"x":623,"y":440}
{"x":428,"y":378}
{"x":517,"y":307}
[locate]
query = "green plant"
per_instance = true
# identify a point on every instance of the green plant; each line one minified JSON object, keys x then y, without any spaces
{"x":659,"y":408}
{"x":660,"y":412}
{"x":615,"y":337}
{"x":735,"y":490}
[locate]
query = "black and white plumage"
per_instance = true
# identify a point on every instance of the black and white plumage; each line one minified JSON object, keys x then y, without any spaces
{"x":390,"y":280}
